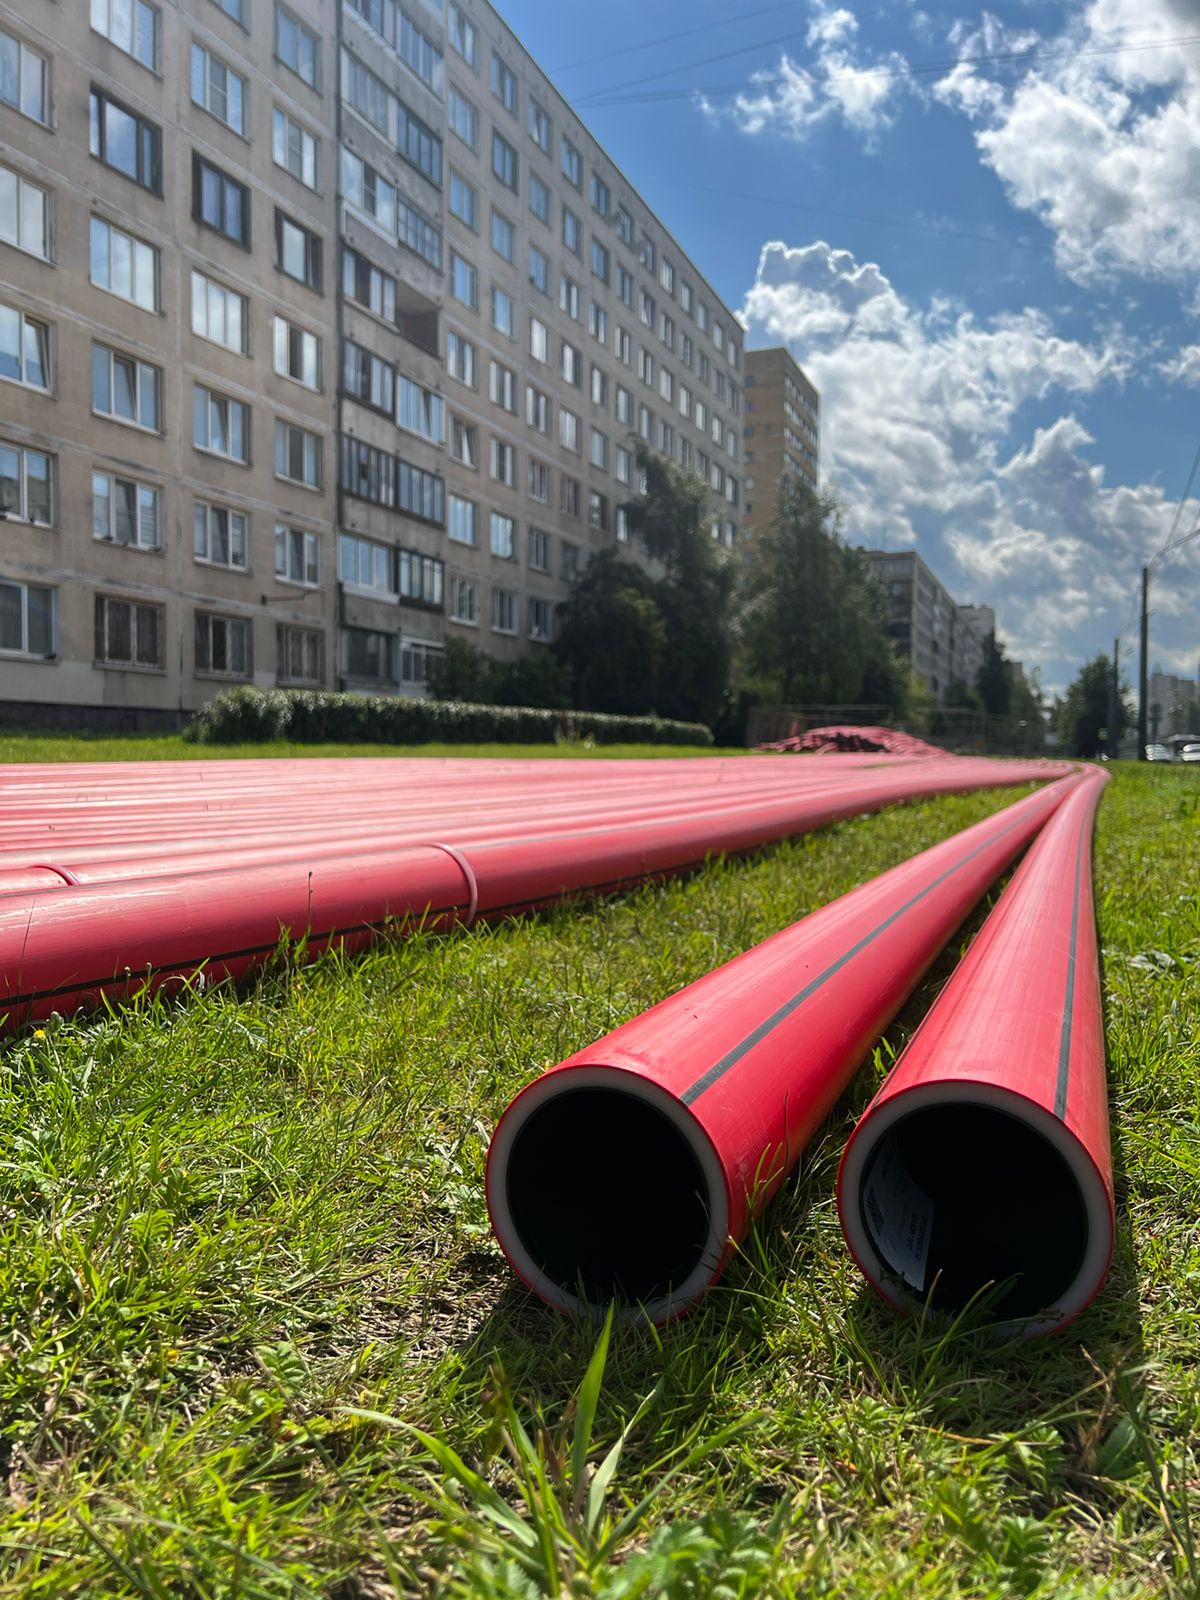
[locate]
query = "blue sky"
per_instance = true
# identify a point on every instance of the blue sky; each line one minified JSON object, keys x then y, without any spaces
{"x":981,"y":229}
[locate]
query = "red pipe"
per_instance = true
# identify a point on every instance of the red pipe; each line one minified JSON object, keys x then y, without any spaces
{"x":631,"y":1171}
{"x":177,"y":912}
{"x":984,"y":1159}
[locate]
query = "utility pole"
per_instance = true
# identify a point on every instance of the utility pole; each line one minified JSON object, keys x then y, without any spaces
{"x":1114,"y":702}
{"x":1143,"y":669}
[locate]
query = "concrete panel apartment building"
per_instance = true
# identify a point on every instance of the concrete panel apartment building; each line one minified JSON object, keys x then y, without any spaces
{"x":326,"y":333}
{"x":942,"y":640}
{"x":782,"y":431}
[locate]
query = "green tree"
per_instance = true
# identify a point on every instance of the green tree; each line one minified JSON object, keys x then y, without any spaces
{"x":994,"y":678}
{"x":812,"y":617}
{"x":612,"y":638}
{"x":1083,"y":710}
{"x":535,"y":680}
{"x":463,"y":672}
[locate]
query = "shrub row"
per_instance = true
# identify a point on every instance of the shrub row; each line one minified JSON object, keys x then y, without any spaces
{"x":310,"y":716}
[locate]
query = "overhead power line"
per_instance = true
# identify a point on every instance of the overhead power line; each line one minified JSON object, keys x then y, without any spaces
{"x":670,"y":38}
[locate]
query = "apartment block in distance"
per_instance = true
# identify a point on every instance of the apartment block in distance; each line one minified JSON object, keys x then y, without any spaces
{"x":326,"y":332}
{"x":781,"y":433}
{"x":942,"y":640}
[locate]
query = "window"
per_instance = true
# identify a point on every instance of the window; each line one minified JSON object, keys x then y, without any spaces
{"x":421,"y":577}
{"x":234,"y":8}
{"x":132,"y":28}
{"x":504,"y":463}
{"x":718,"y":334}
{"x":598,"y":449}
{"x":125,"y":266}
{"x":571,"y":365}
{"x":685,"y":296}
{"x":370,"y":655}
{"x":568,"y":296}
{"x":572,"y":231}
{"x":219,"y":89}
{"x":645,"y":424}
{"x":464,"y":283}
{"x":622,"y":527}
{"x":504,"y":84}
{"x":598,"y":322}
{"x":539,"y":619}
{"x":297,"y":353}
{"x":502,"y":386}
{"x":367,"y":473}
{"x":464,"y":202}
{"x":297,"y":47}
{"x":464,"y":442}
{"x":504,"y":611}
{"x":297,"y":251}
{"x":24,"y":214}
{"x":539,"y":481}
{"x":363,"y":564}
{"x":420,"y":410}
{"x":537,"y":409}
{"x":624,"y":225}
{"x":666,"y":275}
{"x":600,"y":261}
{"x":646,"y":253}
{"x":464,"y":601}
{"x":623,"y":466}
{"x":600,"y":196}
{"x":702,"y":369}
{"x":125,"y":512}
{"x":126,"y":389}
{"x":398,"y":30}
{"x":572,"y":164}
{"x":666,"y":330}
{"x":224,"y":645}
{"x":597,"y":510}
{"x":666,"y":386}
{"x":624,"y":405}
{"x":539,"y":341}
{"x":684,"y":400}
{"x":461,"y":523}
{"x":300,"y":654}
{"x":297,"y":454}
{"x":539,"y":127}
{"x":539,"y":199}
{"x":220,"y":536}
{"x":666,"y":438}
{"x":460,"y":359}
{"x":539,"y":270}
{"x":539,"y":550}
{"x":26,"y":485}
{"x":294,"y":149}
{"x":569,"y":490}
{"x":462,"y":36}
{"x":569,"y":562}
{"x":297,"y":556}
{"x":701,"y":316}
{"x":646,"y":309}
{"x":504,"y":161}
{"x":685,"y":349}
{"x":502,"y":536}
{"x":220,"y":202}
{"x":503,"y":235}
{"x":26,"y":618}
{"x":124,"y":141}
{"x":421,"y":494}
{"x":503,"y":314}
{"x":624,"y":348}
{"x":463,"y":118}
{"x":599,"y":387}
{"x":418,"y":144}
{"x":568,"y":429}
{"x":128,"y":634}
{"x":624,"y":286}
{"x":220,"y":424}
{"x":368,"y":285}
{"x":23,"y":78}
{"x":701,"y":415}
{"x":645,"y":366}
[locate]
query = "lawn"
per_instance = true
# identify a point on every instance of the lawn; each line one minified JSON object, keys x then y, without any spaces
{"x":259,"y":1341}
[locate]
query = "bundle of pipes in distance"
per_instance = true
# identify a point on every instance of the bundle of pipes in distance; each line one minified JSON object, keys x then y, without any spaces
{"x":117,"y":876}
{"x":630,"y":1172}
{"x":984,"y":1160}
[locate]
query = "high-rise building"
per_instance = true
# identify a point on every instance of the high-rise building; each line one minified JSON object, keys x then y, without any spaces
{"x":782,"y":431}
{"x":942,"y":640}
{"x":326,"y":332}
{"x":1172,"y":705}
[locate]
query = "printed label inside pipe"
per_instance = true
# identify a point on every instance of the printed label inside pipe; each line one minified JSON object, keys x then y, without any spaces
{"x":899,"y":1217}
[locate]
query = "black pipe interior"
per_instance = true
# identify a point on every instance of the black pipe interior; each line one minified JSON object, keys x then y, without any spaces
{"x":1005,"y":1206}
{"x":607,"y":1197}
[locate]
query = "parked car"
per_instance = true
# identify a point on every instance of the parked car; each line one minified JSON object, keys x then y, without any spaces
{"x":1190,"y":752}
{"x":1157,"y":752}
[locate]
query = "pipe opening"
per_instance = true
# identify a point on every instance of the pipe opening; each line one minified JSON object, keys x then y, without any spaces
{"x":959,"y":1195}
{"x":607,"y":1197}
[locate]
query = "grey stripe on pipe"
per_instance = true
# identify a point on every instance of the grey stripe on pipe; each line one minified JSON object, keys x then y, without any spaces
{"x":1064,"y":1043}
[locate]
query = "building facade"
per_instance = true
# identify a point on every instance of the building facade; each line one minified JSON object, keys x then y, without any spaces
{"x":1172,"y":705}
{"x":782,"y":431}
{"x":942,"y":640}
{"x":326,"y":332}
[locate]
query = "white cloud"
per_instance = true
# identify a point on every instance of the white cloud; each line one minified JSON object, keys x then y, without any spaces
{"x":1100,"y":136}
{"x":793,"y":99}
{"x":1184,"y":366}
{"x":925,"y":439}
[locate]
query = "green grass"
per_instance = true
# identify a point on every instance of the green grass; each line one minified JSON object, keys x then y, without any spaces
{"x":172,"y":747}
{"x":258,"y":1341}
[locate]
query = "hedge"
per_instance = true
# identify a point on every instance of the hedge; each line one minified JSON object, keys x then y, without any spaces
{"x":312,"y":716}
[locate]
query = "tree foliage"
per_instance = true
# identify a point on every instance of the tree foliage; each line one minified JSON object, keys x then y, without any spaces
{"x":813,"y":618}
{"x":994,"y":679}
{"x":1083,"y":711}
{"x":612,"y":638}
